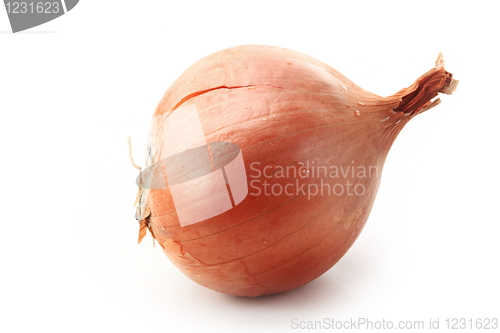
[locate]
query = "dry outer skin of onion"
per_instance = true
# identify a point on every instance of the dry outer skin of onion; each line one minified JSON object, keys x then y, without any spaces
{"x":282,"y":108}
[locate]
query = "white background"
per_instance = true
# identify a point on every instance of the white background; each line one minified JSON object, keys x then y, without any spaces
{"x":72,"y":90}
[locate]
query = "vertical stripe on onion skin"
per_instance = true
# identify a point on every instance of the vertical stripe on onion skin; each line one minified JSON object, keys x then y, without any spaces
{"x":283,"y":109}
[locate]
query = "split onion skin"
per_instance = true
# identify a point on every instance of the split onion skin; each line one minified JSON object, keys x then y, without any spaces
{"x":282,"y":108}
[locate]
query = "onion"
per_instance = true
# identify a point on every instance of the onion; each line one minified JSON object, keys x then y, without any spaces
{"x":303,"y":149}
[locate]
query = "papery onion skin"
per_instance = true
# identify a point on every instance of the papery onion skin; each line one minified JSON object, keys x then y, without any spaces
{"x":282,"y":108}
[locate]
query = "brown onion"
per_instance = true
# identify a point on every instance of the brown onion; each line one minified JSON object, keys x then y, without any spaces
{"x":287,"y":112}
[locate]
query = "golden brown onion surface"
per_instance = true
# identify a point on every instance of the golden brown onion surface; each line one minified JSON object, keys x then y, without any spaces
{"x":313,"y":145}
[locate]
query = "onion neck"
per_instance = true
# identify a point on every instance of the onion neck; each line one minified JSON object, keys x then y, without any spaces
{"x":420,"y":96}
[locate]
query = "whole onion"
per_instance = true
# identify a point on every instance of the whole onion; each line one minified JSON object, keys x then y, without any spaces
{"x":301,"y":149}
